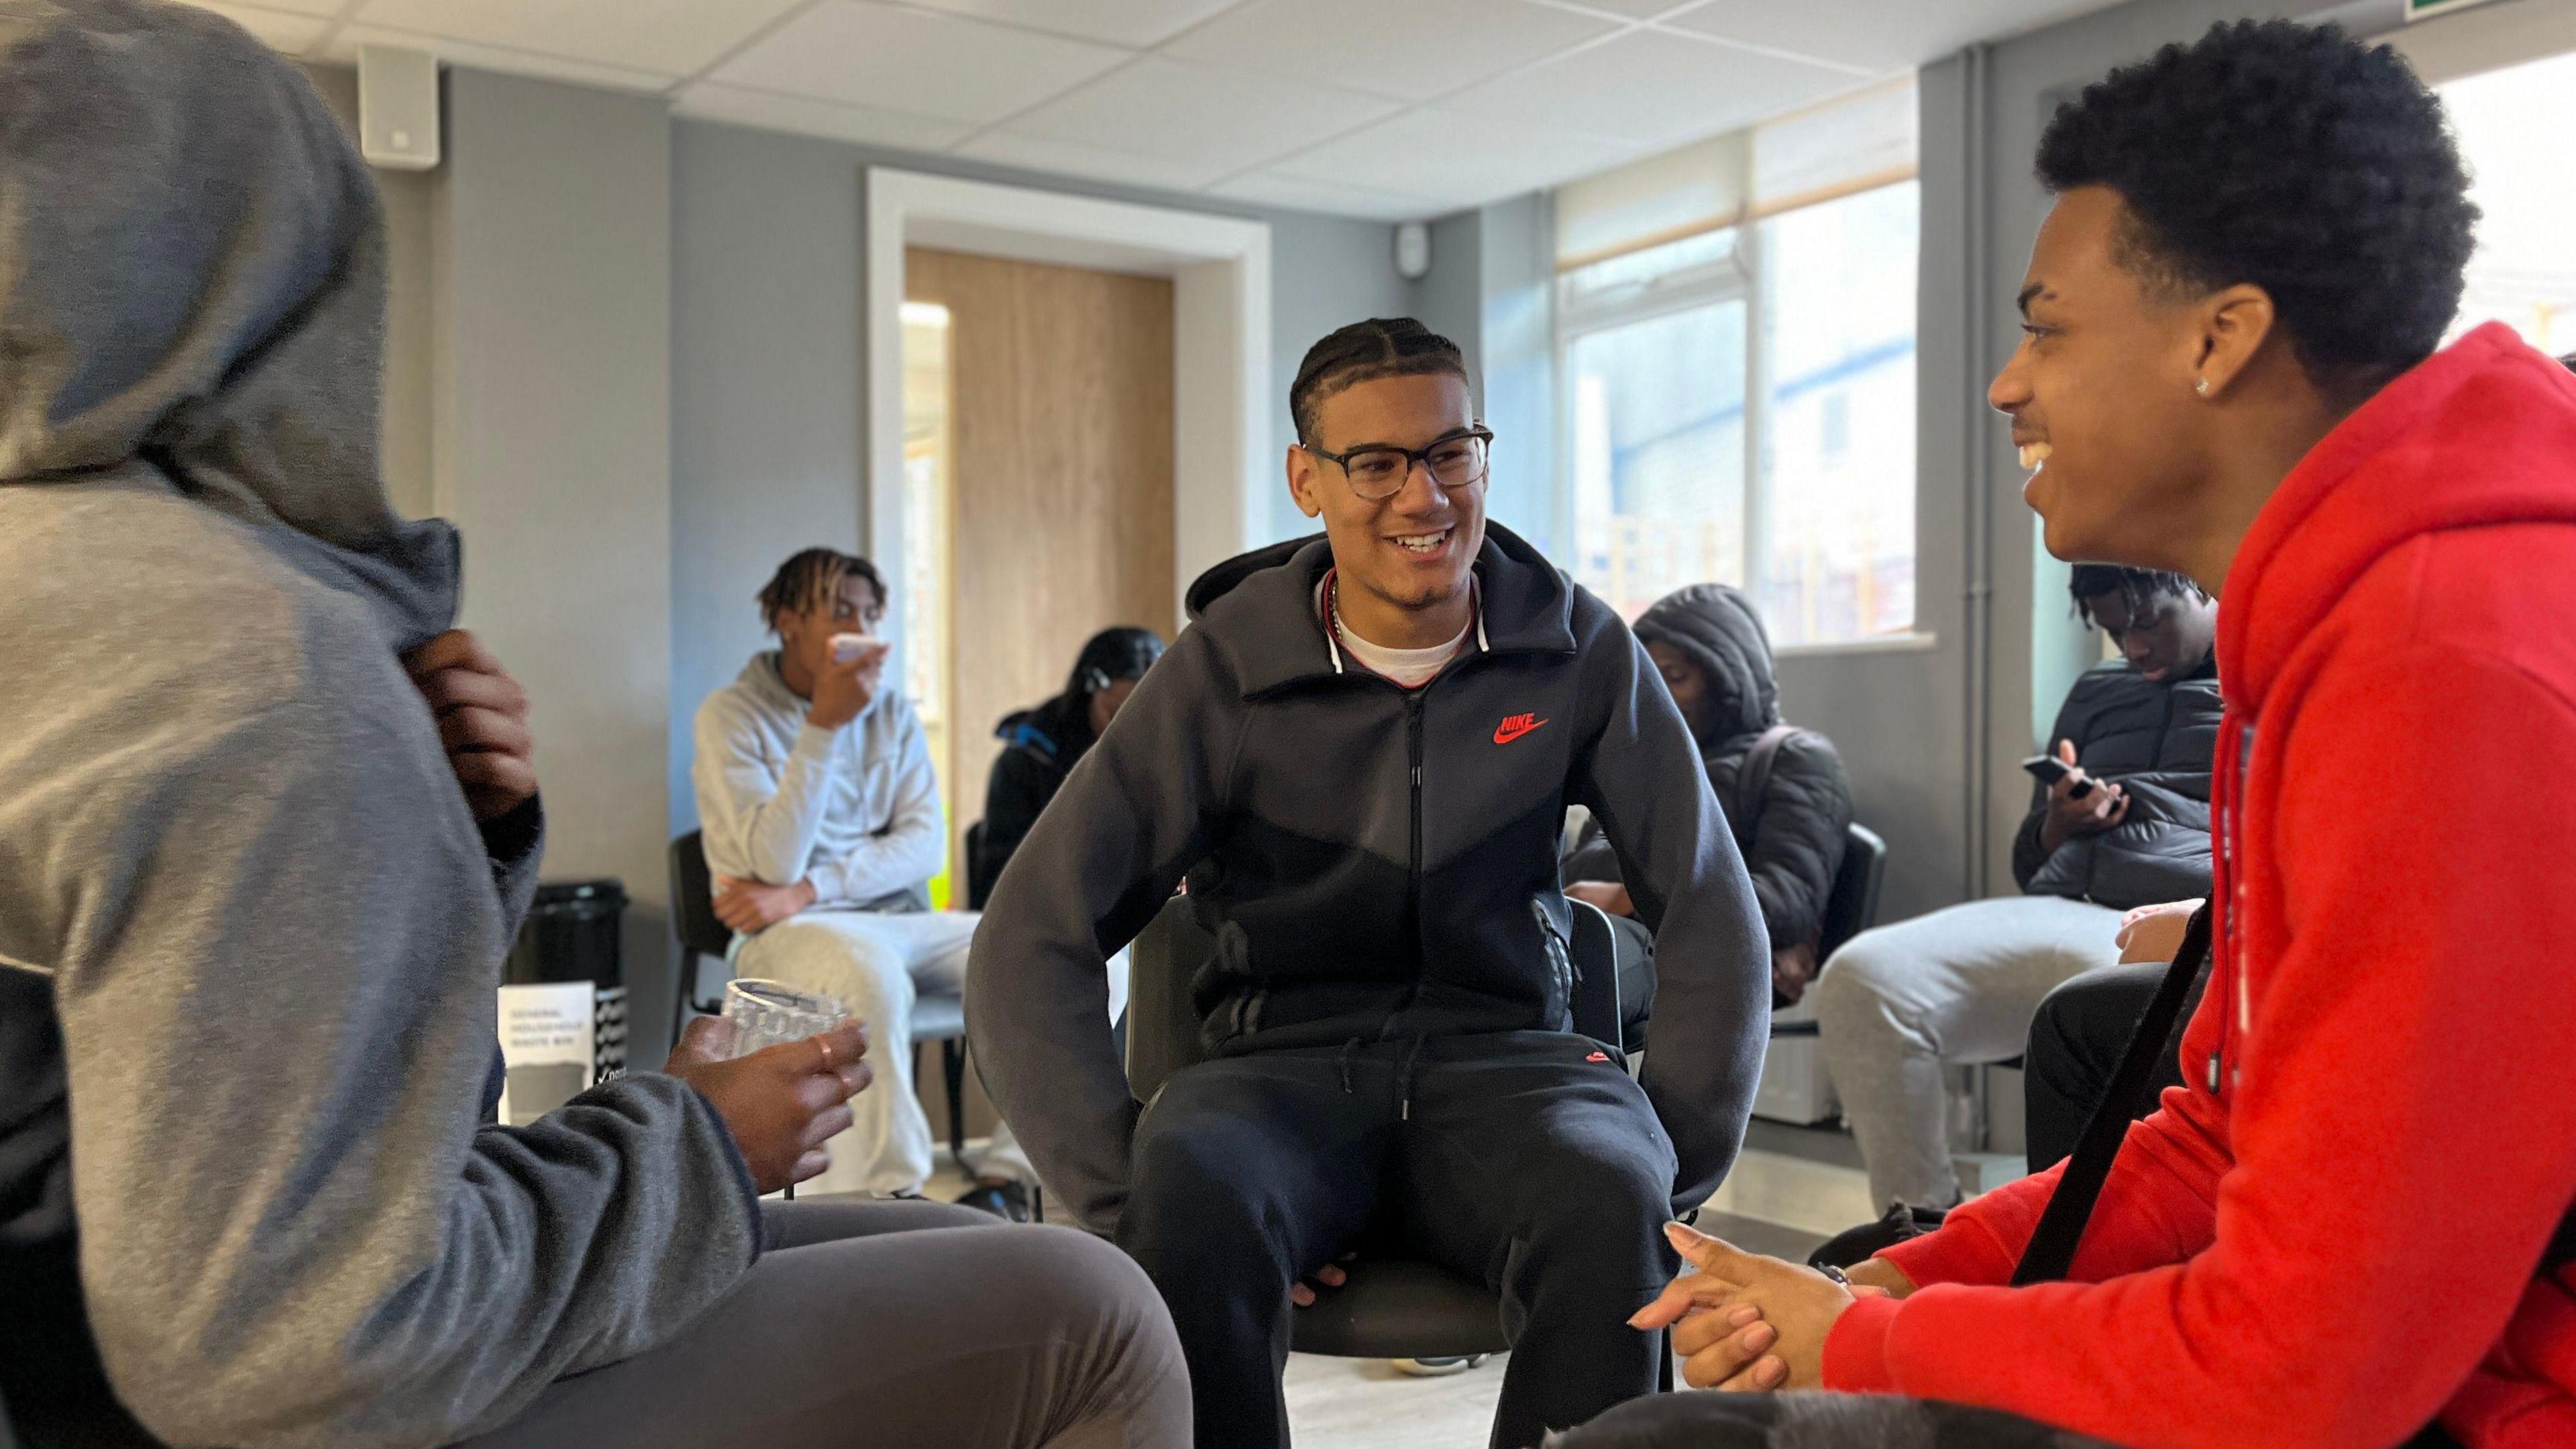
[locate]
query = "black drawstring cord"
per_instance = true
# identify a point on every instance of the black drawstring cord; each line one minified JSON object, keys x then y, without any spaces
{"x":1404,"y":1080}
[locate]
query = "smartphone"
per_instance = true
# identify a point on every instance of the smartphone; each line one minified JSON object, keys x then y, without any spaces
{"x":2049,"y":769}
{"x":847,"y":648}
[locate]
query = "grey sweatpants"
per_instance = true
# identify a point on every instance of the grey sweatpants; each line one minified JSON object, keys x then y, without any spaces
{"x":872,"y":1324}
{"x":1897,"y":1004}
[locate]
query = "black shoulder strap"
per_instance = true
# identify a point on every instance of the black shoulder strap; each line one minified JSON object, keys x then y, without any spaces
{"x":1753,"y":782}
{"x":2051,"y":1250}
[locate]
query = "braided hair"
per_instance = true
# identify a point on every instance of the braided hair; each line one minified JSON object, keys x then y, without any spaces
{"x":813,"y":579}
{"x":2138,"y":587}
{"x":1365,"y":352}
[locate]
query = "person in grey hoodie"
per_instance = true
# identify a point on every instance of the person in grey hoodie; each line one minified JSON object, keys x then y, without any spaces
{"x":822,"y":829}
{"x":1359,"y":755}
{"x":253,"y":909}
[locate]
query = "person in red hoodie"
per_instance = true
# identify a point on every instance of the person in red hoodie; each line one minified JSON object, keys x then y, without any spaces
{"x":2339,"y":1230}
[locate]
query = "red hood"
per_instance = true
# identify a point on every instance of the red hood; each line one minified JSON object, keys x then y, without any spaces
{"x":2482,"y":432}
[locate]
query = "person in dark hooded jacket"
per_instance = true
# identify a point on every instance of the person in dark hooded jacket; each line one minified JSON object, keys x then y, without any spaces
{"x":2126,"y":826}
{"x":1782,"y":788}
{"x":1041,"y":745}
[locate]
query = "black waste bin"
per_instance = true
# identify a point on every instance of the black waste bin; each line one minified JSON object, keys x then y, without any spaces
{"x":571,"y":934}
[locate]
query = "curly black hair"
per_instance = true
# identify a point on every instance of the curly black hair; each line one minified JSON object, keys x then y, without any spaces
{"x":1362,"y":352}
{"x":2293,"y":157}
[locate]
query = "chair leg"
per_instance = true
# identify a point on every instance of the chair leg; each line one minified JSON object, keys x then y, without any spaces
{"x":952,"y":1062}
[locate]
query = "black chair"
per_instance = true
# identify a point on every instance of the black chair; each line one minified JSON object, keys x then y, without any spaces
{"x":979,"y":888}
{"x":693,"y":911}
{"x":1850,"y":908}
{"x":1391,"y":1307}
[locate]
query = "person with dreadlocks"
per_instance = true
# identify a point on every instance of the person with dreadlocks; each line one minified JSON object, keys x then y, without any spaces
{"x":823,"y":829}
{"x":2126,"y":825}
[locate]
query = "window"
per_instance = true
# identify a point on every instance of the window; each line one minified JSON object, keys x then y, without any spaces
{"x":1656,"y":442}
{"x":1736,"y":366}
{"x":1838,"y":287}
{"x":2512,"y":124}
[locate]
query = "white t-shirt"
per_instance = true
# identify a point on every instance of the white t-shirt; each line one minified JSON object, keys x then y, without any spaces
{"x":1411,"y":668}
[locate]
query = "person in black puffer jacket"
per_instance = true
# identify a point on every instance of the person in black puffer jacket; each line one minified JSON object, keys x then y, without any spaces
{"x":2127,"y":826}
{"x":1041,"y":746}
{"x":1782,"y":788}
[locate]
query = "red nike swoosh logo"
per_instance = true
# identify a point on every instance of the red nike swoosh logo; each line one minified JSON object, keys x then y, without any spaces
{"x":1512,"y":729}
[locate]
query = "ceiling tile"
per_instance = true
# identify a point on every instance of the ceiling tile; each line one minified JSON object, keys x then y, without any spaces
{"x":1119,"y":22}
{"x":1871,"y":33}
{"x":864,"y":125}
{"x":1625,"y":9}
{"x":276,"y":29}
{"x":674,"y":37}
{"x":915,"y":62}
{"x":1654,"y":87}
{"x":1037,"y":153}
{"x":1415,"y":50}
{"x":1228,"y":119}
{"x":1451,"y":161}
{"x":344,"y":49}
{"x":1260,"y":188}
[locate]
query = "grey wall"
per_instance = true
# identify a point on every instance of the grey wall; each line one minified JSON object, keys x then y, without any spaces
{"x":767,"y":431}
{"x":1324,"y":273}
{"x":409,"y":312}
{"x":551,"y":394}
{"x":1516,"y":329}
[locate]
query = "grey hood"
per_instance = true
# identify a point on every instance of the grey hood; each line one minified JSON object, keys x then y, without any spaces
{"x":1717,"y":627}
{"x":192,"y":287}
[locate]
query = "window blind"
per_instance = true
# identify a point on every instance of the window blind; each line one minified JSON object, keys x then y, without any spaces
{"x":1852,"y":143}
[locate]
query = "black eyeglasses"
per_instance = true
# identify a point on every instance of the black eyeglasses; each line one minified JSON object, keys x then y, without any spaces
{"x":1378,"y":474}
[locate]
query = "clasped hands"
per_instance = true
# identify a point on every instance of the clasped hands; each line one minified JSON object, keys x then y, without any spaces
{"x":1751,"y":1324}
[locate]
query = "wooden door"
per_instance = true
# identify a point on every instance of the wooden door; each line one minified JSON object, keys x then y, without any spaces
{"x":1060,"y":480}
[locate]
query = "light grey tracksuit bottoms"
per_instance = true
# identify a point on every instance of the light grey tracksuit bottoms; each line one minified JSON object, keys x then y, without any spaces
{"x":870,"y":1324}
{"x":1897,"y":1004}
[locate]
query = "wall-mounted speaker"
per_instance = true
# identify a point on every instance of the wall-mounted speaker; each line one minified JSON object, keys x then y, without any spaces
{"x":1413,"y":251}
{"x":398,"y":107}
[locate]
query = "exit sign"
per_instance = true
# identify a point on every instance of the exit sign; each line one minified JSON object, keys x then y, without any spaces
{"x":2420,"y":9}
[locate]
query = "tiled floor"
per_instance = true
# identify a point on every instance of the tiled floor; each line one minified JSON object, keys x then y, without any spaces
{"x":1791,"y":1189}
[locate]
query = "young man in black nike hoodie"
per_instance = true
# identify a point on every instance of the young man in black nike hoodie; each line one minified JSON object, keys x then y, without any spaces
{"x":1360,"y":754}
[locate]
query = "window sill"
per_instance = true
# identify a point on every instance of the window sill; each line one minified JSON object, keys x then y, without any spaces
{"x":1910,"y":642}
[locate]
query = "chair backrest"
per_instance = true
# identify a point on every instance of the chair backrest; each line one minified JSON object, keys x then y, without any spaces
{"x":1162,"y":1021}
{"x":1595,"y":949}
{"x":693,"y":901}
{"x":978,"y":888}
{"x":1852,"y":907}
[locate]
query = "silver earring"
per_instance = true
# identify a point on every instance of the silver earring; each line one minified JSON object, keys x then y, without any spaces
{"x":2201,"y":387}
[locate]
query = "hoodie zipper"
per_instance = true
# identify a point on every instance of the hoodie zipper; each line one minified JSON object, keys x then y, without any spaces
{"x":1413,"y":760}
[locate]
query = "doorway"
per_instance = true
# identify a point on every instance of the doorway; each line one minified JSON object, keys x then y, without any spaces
{"x":1055,"y":462}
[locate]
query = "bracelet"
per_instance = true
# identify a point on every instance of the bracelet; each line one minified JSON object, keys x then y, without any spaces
{"x":1841,"y":1279}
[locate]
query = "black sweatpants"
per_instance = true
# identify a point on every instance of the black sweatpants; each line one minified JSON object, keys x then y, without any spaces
{"x":1525,"y":1160}
{"x":2077,"y":1038}
{"x":1814,"y":1421}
